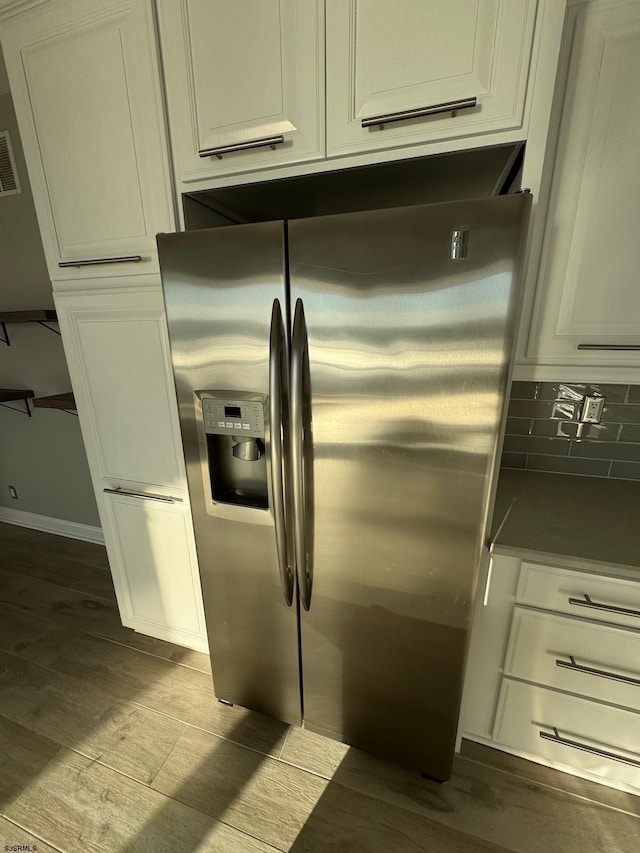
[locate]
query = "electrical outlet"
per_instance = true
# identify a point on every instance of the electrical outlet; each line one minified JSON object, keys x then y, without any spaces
{"x":592,"y":409}
{"x":13,"y":492}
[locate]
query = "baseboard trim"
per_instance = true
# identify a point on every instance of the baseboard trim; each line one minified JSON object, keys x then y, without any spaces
{"x":46,"y":524}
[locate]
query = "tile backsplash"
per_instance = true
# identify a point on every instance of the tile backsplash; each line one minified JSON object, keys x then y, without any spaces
{"x":543,"y":435}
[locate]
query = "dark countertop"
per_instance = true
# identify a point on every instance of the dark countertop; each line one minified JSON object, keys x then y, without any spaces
{"x":573,"y":521}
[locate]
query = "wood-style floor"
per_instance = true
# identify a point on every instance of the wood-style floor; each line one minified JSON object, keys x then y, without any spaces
{"x":112,"y":741}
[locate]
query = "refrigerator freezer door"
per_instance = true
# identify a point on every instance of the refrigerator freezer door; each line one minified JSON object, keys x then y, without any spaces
{"x":220,"y":286}
{"x":408,"y":349}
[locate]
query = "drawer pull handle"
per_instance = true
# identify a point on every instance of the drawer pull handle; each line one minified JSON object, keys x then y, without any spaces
{"x":267,"y":141}
{"x":90,"y":262}
{"x":610,"y":347}
{"x":589,"y":670}
{"x":584,"y":747}
{"x":421,"y":112}
{"x":165,"y":499}
{"x":605,"y":608}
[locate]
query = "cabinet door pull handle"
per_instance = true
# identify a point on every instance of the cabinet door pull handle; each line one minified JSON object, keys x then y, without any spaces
{"x":266,"y":141}
{"x":605,"y":608}
{"x":420,"y":112}
{"x":165,"y":499}
{"x":89,"y":262}
{"x":584,"y":747}
{"x":589,"y":670}
{"x":611,"y":347}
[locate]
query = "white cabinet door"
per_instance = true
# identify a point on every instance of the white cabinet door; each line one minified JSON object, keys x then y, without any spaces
{"x":118,"y":354}
{"x":240,"y":73}
{"x":588,"y":290}
{"x":390,"y":57}
{"x":85,"y":82}
{"x":154,"y":565}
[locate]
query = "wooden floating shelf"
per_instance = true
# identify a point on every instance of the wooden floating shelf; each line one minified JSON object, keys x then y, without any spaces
{"x":56,"y":401}
{"x":47,"y":315}
{"x":8,"y":395}
{"x":43,"y":318}
{"x":12,"y":395}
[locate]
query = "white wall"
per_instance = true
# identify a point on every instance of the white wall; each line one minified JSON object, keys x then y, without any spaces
{"x":42,"y":456}
{"x":4,"y":80}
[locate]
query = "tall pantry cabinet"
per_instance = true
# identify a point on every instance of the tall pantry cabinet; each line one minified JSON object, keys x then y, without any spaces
{"x":86,"y":85}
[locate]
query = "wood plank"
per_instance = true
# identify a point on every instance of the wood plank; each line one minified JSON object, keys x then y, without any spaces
{"x":13,"y":585}
{"x":159,"y":648}
{"x":9,"y":394}
{"x":83,"y":807}
{"x":92,"y":555}
{"x":292,"y":809}
{"x":131,"y":739}
{"x":13,"y":836}
{"x":41,"y":564}
{"x":33,"y":638}
{"x":186,"y":694}
{"x":477,"y":800}
{"x":66,"y":606}
{"x":530,"y":771}
{"x":56,"y":401}
{"x":23,"y":756}
{"x":33,"y":316}
{"x":260,"y":796}
{"x":97,"y":582}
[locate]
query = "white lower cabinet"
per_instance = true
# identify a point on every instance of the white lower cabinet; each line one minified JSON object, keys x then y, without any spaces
{"x":117,"y":350}
{"x":570,"y":733}
{"x":554,"y":670}
{"x":154,"y":564}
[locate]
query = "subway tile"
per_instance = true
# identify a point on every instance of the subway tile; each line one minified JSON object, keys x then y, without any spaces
{"x":524,"y":390}
{"x":568,"y":465}
{"x":625,"y":470}
{"x":530,"y":409}
{"x":600,"y":432}
{"x":514,"y":460}
{"x":634,"y":394}
{"x":553,"y":428}
{"x":630,"y":432}
{"x":569,"y":429}
{"x":561,"y":390}
{"x":615,"y":450}
{"x":518,"y":426}
{"x":621,"y":413}
{"x":613,"y":393}
{"x":530,"y":444}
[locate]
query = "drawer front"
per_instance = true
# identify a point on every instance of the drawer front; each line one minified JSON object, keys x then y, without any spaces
{"x":612,"y":734}
{"x":580,"y":594}
{"x":597,"y":661}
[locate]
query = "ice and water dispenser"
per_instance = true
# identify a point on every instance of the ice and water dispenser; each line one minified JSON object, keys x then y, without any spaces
{"x":234,"y":429}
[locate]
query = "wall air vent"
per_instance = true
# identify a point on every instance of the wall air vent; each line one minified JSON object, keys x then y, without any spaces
{"x":9,"y":184}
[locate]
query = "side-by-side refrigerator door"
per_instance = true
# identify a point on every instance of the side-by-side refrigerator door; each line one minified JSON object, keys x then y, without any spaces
{"x":401,"y":342}
{"x":225,"y":298}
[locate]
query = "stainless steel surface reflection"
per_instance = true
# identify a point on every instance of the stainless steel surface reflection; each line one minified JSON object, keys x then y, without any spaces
{"x":219,"y":290}
{"x":408,"y":354}
{"x":398,"y":366}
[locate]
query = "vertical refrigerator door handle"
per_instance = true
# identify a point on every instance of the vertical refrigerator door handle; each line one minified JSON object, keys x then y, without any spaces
{"x":298,"y":355}
{"x":277,"y":415}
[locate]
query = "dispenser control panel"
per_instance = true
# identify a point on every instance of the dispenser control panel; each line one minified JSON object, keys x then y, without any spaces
{"x":233,"y":417}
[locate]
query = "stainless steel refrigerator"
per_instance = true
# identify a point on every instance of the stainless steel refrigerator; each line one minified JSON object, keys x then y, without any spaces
{"x":341,"y":382}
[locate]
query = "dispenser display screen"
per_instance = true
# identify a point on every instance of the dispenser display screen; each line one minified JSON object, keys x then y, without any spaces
{"x":232,"y":417}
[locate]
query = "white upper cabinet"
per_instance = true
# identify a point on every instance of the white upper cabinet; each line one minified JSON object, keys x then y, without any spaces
{"x":86,"y":87}
{"x":588,"y":293}
{"x":386,"y":59}
{"x":241,"y":74}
